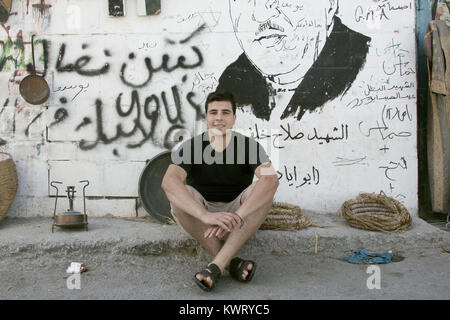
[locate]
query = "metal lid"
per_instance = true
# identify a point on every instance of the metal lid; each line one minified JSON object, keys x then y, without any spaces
{"x":34,"y":89}
{"x":153,"y":197}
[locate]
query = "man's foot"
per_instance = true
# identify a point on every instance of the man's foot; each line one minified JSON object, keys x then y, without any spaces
{"x":208,"y":277}
{"x":242,"y":270}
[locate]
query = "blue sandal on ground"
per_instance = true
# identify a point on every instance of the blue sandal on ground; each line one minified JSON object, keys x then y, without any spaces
{"x":237,"y":268}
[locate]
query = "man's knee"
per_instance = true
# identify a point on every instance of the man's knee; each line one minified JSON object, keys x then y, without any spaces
{"x":247,"y":192}
{"x":175,"y":210}
{"x":195,"y":195}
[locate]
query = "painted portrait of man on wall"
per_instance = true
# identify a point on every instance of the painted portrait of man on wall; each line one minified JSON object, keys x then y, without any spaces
{"x":297,"y":55}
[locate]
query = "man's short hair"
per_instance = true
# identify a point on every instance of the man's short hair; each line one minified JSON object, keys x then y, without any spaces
{"x":220,"y":95}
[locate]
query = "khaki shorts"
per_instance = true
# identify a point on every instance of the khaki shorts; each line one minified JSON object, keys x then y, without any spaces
{"x":213,"y":206}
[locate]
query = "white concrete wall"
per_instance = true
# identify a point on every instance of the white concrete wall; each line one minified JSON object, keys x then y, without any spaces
{"x":371,"y":127}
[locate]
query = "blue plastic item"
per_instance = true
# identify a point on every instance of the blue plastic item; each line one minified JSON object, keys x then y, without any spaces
{"x":364,"y":257}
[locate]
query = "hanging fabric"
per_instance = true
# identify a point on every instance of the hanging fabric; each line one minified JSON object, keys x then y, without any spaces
{"x":437,"y":50}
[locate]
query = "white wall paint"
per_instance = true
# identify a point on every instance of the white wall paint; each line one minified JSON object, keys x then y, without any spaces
{"x":379,"y":109}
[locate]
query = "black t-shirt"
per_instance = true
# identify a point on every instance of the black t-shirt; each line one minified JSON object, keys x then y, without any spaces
{"x":219,"y":176}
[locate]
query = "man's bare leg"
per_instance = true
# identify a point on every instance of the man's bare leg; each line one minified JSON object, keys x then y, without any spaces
{"x":238,"y":237}
{"x":223,"y":253}
{"x":195,"y":227}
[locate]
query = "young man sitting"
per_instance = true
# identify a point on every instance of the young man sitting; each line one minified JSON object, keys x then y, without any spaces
{"x":212,"y":194}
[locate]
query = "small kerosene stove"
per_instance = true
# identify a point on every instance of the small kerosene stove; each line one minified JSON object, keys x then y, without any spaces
{"x":70,"y":218}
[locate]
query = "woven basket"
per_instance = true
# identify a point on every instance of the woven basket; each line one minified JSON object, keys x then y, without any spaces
{"x":284,"y":216}
{"x":376,"y":213}
{"x":8,"y":183}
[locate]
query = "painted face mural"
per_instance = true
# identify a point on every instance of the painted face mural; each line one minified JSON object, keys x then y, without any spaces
{"x":282,"y":38}
{"x":295,"y":55}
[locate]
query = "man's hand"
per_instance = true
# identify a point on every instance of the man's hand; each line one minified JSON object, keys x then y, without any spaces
{"x":224,"y":221}
{"x":215,"y":232}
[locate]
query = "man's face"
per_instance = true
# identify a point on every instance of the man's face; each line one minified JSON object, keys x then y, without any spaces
{"x":220,"y":117}
{"x":280,"y":36}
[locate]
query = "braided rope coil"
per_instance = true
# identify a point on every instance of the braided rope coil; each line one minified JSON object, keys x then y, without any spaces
{"x":375,"y":212}
{"x":285,"y":216}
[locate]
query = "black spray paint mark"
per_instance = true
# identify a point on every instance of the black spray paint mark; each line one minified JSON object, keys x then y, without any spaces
{"x":177,"y":101}
{"x":173,"y":136}
{"x":138,"y":126}
{"x":27,"y":130}
{"x":150,"y":111}
{"x":165,"y":66}
{"x":79,"y":65}
{"x":85,"y":122}
{"x":199,"y":115}
{"x":146,"y":116}
{"x":193,"y":34}
{"x":60,"y":115}
{"x":45,"y":56}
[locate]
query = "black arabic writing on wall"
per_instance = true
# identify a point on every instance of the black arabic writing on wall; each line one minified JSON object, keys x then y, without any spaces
{"x":147,"y":110}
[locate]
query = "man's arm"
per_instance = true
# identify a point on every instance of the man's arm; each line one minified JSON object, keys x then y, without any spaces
{"x":178,"y":194}
{"x":262,"y":192}
{"x":180,"y":197}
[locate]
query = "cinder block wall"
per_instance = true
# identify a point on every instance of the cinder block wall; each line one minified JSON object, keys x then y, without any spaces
{"x":334,"y":108}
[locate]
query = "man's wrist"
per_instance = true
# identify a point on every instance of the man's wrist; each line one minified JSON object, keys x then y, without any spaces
{"x":241,"y":219}
{"x":203,"y":214}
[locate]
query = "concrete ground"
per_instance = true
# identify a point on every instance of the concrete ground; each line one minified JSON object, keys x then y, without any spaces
{"x":143,"y":259}
{"x":421,"y":275}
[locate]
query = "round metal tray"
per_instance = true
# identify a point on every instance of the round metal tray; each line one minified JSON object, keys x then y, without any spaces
{"x":153,"y":197}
